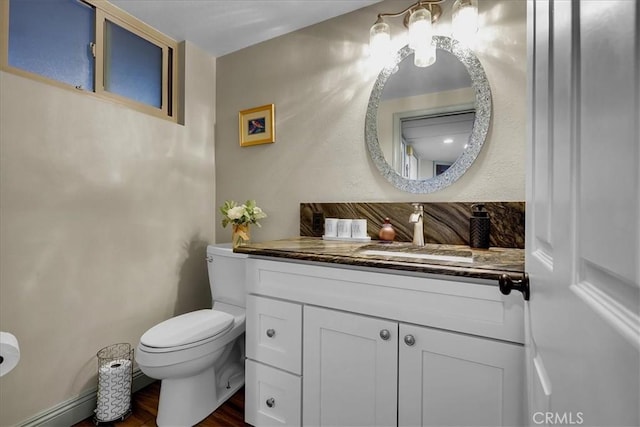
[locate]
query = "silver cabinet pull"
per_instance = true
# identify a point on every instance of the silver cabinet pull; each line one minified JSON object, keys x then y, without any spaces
{"x":271,"y":402}
{"x":385,"y":334}
{"x":409,"y":340}
{"x":271,"y":333}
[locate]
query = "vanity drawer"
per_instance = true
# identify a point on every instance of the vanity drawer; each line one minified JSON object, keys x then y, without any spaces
{"x":468,"y":305}
{"x":274,"y":333}
{"x":272,"y":397}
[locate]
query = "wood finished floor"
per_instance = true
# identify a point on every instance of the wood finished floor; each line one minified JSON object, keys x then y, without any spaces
{"x":144,"y":405}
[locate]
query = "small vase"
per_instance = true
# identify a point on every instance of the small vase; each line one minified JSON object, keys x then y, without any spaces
{"x":240,"y":234}
{"x":387,"y":233}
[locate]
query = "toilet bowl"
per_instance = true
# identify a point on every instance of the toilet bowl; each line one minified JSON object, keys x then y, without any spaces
{"x":199,"y":356}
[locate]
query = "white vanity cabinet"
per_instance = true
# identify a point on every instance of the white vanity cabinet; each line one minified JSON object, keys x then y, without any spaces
{"x":384,"y":349}
{"x":422,"y":376}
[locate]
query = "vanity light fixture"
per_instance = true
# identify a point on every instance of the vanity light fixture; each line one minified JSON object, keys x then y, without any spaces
{"x":419,"y":19}
{"x":464,"y":21}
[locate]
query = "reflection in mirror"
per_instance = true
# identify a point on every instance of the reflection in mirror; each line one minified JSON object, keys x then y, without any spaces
{"x":425,"y":116}
{"x":429,"y":144}
{"x":425,"y":126}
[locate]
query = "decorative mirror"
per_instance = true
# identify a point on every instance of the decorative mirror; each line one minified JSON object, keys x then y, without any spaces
{"x":425,"y":126}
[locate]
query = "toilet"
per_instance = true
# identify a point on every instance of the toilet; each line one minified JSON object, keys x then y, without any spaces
{"x":199,"y":356}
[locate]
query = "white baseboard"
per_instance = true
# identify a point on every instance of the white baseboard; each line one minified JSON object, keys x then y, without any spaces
{"x":74,"y":410}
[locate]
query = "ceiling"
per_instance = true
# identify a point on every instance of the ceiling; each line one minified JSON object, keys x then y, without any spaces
{"x":224,"y":26}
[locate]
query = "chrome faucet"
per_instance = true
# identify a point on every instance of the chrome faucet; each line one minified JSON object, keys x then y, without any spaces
{"x":416,"y":219}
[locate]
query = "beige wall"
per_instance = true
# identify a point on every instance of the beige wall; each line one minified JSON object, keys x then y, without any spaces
{"x":104,"y":217}
{"x":319,"y":80}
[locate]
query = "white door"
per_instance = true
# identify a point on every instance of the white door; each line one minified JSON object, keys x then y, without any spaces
{"x":452,"y":379}
{"x":583,"y":213}
{"x":350,"y":367}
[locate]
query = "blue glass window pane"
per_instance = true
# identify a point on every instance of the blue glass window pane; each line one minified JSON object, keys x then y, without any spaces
{"x":51,"y":38}
{"x":133,"y":66}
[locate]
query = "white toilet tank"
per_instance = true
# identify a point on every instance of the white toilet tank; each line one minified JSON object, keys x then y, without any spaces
{"x":227,"y":274}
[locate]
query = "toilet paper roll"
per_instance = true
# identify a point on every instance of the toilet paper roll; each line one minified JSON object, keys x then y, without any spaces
{"x":9,"y":352}
{"x":114,"y":390}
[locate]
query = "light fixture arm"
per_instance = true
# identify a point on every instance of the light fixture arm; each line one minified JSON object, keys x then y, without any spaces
{"x":419,"y":19}
{"x":432,"y":5}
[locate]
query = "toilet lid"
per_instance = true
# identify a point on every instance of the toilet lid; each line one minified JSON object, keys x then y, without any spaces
{"x":187,"y":328}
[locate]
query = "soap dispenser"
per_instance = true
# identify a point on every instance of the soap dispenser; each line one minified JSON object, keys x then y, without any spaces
{"x":479,"y":227}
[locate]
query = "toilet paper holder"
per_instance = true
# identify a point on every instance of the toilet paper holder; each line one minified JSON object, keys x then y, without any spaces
{"x":115,"y":375}
{"x":9,"y":352}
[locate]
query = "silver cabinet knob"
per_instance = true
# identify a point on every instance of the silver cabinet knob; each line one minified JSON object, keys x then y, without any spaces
{"x":385,"y":334}
{"x":409,"y":340}
{"x":271,"y":402}
{"x":271,"y":333}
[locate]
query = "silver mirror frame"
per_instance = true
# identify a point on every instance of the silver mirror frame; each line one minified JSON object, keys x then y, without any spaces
{"x":478,"y":134}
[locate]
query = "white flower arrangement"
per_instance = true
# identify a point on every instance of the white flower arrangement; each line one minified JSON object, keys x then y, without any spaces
{"x":245,"y":214}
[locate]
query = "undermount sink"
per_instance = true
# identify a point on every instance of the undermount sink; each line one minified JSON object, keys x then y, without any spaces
{"x":421,"y":254}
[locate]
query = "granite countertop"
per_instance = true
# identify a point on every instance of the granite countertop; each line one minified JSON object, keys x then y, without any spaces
{"x":487,"y":263}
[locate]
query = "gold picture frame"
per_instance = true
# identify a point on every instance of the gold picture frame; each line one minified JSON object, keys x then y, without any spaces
{"x":257,"y":125}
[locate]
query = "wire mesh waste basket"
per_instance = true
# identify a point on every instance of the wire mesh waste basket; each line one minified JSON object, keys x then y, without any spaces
{"x":115,"y":370}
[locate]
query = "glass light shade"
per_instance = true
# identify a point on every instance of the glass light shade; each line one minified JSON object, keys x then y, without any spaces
{"x":424,"y":57}
{"x":420,"y":29}
{"x":379,"y":39}
{"x":464,"y":20}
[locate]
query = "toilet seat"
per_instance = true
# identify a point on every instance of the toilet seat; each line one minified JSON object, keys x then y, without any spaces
{"x":187,"y":330}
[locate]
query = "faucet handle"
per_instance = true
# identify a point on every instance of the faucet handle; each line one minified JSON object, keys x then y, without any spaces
{"x":416,"y":218}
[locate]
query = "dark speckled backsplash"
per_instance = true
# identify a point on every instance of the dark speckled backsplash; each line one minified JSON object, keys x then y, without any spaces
{"x":445,"y":223}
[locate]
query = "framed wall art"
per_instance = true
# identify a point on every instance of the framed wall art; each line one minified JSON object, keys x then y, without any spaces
{"x":257,"y":125}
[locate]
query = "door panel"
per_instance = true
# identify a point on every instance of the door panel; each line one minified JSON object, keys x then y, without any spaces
{"x":543,"y":152}
{"x":608,"y":164}
{"x":583,"y":319}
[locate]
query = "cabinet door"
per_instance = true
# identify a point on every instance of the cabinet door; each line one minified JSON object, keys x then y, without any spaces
{"x":349,"y":369}
{"x":452,"y":379}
